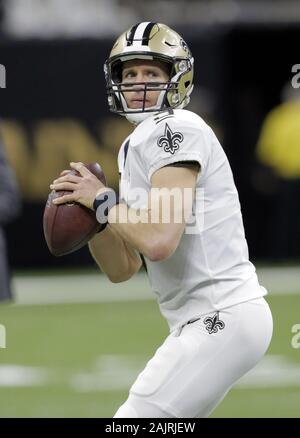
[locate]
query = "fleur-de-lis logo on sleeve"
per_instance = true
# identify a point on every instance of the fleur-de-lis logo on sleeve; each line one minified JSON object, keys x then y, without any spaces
{"x":213,"y":323}
{"x":170,"y":140}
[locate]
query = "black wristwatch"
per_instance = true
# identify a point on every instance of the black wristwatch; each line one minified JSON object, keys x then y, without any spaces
{"x":102,"y":204}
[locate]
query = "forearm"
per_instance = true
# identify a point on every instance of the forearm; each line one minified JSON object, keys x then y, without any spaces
{"x":150,"y":238}
{"x":113,"y":255}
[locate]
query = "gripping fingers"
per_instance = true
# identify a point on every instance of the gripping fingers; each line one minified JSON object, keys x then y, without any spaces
{"x":63,"y":186}
{"x":64,"y":199}
{"x":68,"y":178}
{"x":80,"y":167}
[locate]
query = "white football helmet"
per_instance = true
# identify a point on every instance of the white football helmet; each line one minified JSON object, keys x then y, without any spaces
{"x":150,"y":41}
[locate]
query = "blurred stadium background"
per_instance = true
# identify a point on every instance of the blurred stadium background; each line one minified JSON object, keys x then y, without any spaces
{"x":75,"y":342}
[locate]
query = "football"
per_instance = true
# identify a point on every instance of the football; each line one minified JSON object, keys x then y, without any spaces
{"x":68,"y":227}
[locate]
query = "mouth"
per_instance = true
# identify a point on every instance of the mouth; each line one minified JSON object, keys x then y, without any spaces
{"x":139,"y":103}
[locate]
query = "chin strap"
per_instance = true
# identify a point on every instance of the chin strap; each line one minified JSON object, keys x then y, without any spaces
{"x":137,"y":118}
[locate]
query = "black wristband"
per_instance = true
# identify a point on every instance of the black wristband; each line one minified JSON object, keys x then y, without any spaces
{"x":102,"y":204}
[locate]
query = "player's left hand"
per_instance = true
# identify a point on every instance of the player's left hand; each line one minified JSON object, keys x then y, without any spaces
{"x":83,"y":188}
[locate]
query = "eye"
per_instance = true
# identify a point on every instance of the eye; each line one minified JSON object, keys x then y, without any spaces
{"x":128,"y":74}
{"x":152,"y":74}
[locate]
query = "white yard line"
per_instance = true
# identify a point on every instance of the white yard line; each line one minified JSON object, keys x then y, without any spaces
{"x":22,"y":376}
{"x":274,"y":371}
{"x":280,"y":280}
{"x":86,"y":288}
{"x":110,"y":373}
{"x":118,"y":372}
{"x":78,"y":289}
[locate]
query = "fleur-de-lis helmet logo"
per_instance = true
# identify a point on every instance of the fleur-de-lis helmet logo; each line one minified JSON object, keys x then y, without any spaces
{"x":213,"y":323}
{"x":170,"y":140}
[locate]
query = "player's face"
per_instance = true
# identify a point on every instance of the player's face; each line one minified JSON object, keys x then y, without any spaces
{"x":137,"y":71}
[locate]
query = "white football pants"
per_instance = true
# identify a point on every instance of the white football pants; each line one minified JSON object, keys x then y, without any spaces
{"x":197,"y":365}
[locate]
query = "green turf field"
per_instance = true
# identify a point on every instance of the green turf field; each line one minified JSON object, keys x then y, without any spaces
{"x":78,"y":359}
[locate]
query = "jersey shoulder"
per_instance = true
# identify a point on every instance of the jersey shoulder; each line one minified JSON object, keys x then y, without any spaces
{"x":184,"y":116}
{"x":178,"y":119}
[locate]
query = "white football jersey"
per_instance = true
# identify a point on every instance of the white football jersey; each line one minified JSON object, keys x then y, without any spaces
{"x":210,"y":269}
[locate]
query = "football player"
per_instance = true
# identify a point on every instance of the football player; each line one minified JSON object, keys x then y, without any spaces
{"x":207,"y":289}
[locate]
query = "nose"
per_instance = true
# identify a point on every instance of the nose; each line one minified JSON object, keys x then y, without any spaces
{"x":137,"y":83}
{"x":138,"y":79}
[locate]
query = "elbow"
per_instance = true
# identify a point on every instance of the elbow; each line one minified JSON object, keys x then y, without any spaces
{"x":157,"y":251}
{"x":125,"y":276}
{"x":119,"y":278}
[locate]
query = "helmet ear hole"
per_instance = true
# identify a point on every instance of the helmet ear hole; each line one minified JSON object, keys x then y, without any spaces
{"x":187,"y":83}
{"x":116,"y":70}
